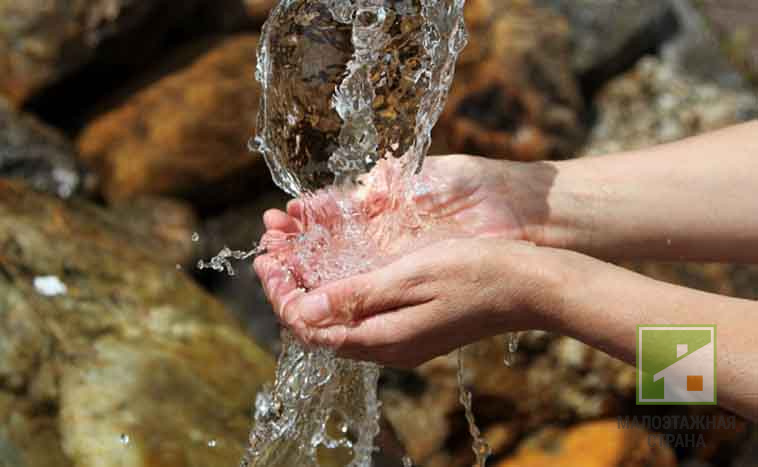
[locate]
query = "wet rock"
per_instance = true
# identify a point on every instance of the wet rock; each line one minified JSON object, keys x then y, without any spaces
{"x":656,"y":103}
{"x":610,"y":35}
{"x":599,"y":443}
{"x":129,"y":364}
{"x":514,"y":94}
{"x":38,"y":154}
{"x":186,"y":134}
{"x":44,"y":41}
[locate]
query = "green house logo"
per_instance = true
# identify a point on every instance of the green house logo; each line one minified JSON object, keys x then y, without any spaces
{"x":676,"y":365}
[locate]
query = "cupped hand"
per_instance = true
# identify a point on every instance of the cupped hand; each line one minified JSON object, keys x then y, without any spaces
{"x":481,"y":197}
{"x":422,"y":305}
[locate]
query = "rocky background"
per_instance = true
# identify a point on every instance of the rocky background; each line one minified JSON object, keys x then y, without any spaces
{"x":123,"y":130}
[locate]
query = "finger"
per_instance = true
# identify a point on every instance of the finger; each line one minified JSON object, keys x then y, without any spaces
{"x":295,"y":209}
{"x":274,"y":219}
{"x":278,"y":284}
{"x":403,"y":338}
{"x":357,"y":297}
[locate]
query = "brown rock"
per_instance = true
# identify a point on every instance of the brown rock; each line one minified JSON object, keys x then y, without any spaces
{"x":34,"y":152}
{"x":514,"y":94}
{"x":186,"y":134}
{"x":108,"y":357}
{"x":594,"y":444}
{"x":43,"y":41}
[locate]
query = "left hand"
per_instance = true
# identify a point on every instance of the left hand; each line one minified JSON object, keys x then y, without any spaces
{"x":423,"y":304}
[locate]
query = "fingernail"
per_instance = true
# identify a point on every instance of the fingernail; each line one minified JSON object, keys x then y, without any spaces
{"x":314,"y":308}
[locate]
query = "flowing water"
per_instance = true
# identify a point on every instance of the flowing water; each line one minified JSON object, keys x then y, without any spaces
{"x":351,"y":91}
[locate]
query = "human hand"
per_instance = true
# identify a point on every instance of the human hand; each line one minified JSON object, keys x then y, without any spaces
{"x":481,"y":197}
{"x":424,"y":304}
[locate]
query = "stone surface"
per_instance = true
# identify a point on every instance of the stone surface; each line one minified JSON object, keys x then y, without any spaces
{"x":131,"y":365}
{"x":655,"y":103}
{"x":736,"y":23}
{"x":610,"y":35}
{"x":594,"y":444}
{"x":696,"y":50}
{"x":514,"y":94}
{"x":42,"y":41}
{"x":232,"y":15}
{"x":186,"y":134}
{"x":39,"y":154}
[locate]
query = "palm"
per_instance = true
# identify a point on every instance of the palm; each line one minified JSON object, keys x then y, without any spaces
{"x":473,"y":195}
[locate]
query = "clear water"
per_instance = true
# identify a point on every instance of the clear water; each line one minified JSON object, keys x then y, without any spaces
{"x":351,"y":91}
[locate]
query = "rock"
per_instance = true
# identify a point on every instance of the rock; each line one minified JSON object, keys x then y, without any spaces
{"x":43,"y":41}
{"x":736,"y":24}
{"x":608,"y":36}
{"x":695,"y":50}
{"x":595,"y":444}
{"x":655,"y":103}
{"x":514,"y":93}
{"x":233,"y":15}
{"x":129,"y":364}
{"x":186,"y":134}
{"x":39,"y":154}
{"x":164,"y":225}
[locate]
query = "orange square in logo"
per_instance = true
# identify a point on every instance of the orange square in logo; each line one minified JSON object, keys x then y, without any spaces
{"x":695,"y":383}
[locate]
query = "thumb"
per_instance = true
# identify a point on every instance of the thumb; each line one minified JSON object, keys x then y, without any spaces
{"x":355,"y":298}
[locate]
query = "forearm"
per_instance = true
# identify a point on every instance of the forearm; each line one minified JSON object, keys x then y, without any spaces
{"x":696,"y":199}
{"x":601,"y":305}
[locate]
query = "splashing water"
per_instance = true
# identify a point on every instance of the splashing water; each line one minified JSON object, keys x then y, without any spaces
{"x":351,"y":91}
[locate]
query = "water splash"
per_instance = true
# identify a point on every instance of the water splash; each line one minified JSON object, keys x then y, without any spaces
{"x":222,"y":261}
{"x":350,"y":92}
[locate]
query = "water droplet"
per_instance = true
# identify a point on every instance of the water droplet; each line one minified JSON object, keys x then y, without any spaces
{"x":212,"y":443}
{"x":124,"y":439}
{"x":195,"y":237}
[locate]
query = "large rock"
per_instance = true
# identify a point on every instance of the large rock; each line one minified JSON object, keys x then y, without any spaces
{"x":108,"y":357}
{"x":42,"y":41}
{"x":230,"y":15}
{"x":186,"y":134}
{"x":657,"y":103}
{"x":38,"y":154}
{"x":611,"y":35}
{"x":594,"y":444}
{"x":514,"y":94}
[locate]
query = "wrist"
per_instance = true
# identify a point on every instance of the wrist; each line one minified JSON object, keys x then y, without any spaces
{"x":561,"y":204}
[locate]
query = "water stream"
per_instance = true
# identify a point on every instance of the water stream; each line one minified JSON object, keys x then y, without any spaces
{"x":351,"y":91}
